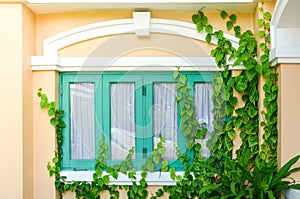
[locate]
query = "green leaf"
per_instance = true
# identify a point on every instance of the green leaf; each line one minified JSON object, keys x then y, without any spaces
{"x":54,"y":121}
{"x":232,"y":17}
{"x":209,"y":29}
{"x":165,"y":165}
{"x":267,"y":26}
{"x":156,"y":159}
{"x":284,"y":171}
{"x":55,"y":160}
{"x":241,"y":86}
{"x":176,"y":74}
{"x":261,"y":33}
{"x":231,"y":134}
{"x":223,"y":14}
{"x":172,"y":173}
{"x":262,"y":46}
{"x":199,"y":27}
{"x":260,"y":22}
{"x":208,"y":38}
{"x":252,"y":112}
{"x":267,"y":15}
{"x":195,"y":18}
{"x":229,"y":25}
{"x":295,"y":186}
{"x":204,"y":20}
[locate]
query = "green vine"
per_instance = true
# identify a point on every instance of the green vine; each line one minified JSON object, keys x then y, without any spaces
{"x":252,"y":174}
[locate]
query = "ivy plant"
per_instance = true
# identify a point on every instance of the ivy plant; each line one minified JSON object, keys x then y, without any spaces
{"x":252,"y":174}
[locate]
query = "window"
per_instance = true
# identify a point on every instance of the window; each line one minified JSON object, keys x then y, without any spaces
{"x":130,"y":109}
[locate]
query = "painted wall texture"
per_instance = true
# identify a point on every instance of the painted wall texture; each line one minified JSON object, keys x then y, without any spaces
{"x":28,"y":139}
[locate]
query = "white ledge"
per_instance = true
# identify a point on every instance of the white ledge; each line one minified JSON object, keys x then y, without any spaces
{"x":63,"y":64}
{"x":154,"y":178}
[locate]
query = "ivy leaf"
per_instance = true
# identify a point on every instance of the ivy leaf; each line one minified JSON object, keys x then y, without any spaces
{"x":54,"y":121}
{"x":208,"y":38}
{"x":264,"y":58}
{"x":150,"y":167}
{"x":231,"y":134}
{"x":156,"y":159}
{"x":199,"y":27}
{"x":233,"y":101}
{"x":176,"y":74}
{"x":267,"y":15}
{"x":204,"y":20}
{"x":237,"y":30}
{"x":172,"y":173}
{"x":261,"y":33}
{"x":195,"y":18}
{"x":223,"y":14}
{"x":165,"y":164}
{"x":260,"y":22}
{"x":209,"y":29}
{"x":232,"y":18}
{"x":241,"y":86}
{"x":252,"y":112}
{"x":262,"y":46}
{"x":229,"y":25}
{"x":267,"y":26}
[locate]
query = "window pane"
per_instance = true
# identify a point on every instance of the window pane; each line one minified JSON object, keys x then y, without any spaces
{"x":203,"y":103}
{"x":122,"y":119}
{"x":165,"y":117}
{"x":82,"y":121}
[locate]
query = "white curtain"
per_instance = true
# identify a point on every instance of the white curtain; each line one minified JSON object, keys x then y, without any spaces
{"x":203,"y":104}
{"x":165,"y":117}
{"x":122,"y":119}
{"x":82,"y":121}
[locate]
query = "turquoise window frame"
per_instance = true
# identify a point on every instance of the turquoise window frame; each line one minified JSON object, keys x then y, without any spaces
{"x":144,"y":136}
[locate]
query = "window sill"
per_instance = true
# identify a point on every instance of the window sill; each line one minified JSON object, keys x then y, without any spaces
{"x":154,"y":178}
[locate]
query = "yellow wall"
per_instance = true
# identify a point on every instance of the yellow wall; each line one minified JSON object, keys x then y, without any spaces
{"x":52,"y":24}
{"x":11,"y":143}
{"x":44,"y":135}
{"x":28,"y":139}
{"x":289,"y":109}
{"x":28,"y":43}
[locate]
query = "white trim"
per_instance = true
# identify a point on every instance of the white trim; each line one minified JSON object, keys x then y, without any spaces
{"x":154,"y":178}
{"x":141,"y":22}
{"x":128,"y":64}
{"x":113,"y":27}
{"x":278,"y":11}
{"x":139,"y":1}
{"x":51,"y":61}
{"x":285,"y":45}
{"x":291,"y":193}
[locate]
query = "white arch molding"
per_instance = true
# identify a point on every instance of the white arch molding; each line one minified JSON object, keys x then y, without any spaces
{"x":51,"y":60}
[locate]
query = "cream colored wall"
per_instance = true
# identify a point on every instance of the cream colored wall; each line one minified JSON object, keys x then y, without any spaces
{"x":156,"y":45}
{"x":44,"y":135}
{"x":289,"y":109}
{"x":11,"y":142}
{"x":28,"y":43}
{"x":51,"y":24}
{"x":130,"y":45}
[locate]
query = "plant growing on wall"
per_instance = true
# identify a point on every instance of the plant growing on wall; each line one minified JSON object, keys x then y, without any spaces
{"x":221,"y":175}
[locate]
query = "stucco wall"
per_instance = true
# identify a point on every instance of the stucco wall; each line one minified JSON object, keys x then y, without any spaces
{"x":51,"y":24}
{"x":289,"y":109}
{"x":28,"y":43}
{"x":28,"y":138}
{"x":11,"y":145}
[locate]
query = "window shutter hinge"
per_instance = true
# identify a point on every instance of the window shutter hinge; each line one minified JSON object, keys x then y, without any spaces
{"x":61,"y":90}
{"x":144,"y":152}
{"x":144,"y":90}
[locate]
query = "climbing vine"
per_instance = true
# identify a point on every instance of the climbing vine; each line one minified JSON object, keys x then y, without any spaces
{"x":221,"y":175}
